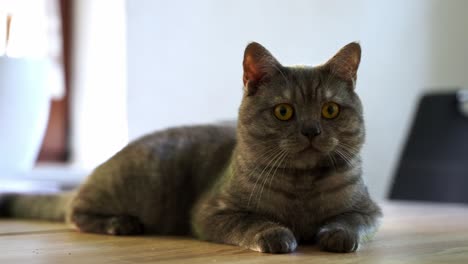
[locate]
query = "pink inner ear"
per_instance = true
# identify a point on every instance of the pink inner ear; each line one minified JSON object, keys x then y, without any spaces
{"x":251,"y":70}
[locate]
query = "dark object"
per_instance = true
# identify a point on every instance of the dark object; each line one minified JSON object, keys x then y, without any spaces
{"x":434,"y":162}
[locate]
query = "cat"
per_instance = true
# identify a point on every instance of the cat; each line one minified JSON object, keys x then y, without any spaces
{"x":289,"y":172}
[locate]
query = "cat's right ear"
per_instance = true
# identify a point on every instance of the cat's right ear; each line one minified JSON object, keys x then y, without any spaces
{"x":258,"y":65}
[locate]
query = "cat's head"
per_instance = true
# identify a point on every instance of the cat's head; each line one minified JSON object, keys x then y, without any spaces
{"x":300,"y":116}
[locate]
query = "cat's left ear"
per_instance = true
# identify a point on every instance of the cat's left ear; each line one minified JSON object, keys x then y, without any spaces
{"x":346,"y":61}
{"x":258,"y":65}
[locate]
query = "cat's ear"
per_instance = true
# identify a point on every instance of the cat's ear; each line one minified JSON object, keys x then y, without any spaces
{"x":346,"y":61}
{"x":258,"y":65}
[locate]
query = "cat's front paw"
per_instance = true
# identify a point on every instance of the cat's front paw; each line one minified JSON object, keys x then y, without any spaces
{"x":275,"y":240}
{"x":338,"y":239}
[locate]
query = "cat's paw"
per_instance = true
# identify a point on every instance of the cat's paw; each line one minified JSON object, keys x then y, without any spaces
{"x":275,"y":240}
{"x":124,"y":225}
{"x":338,"y":239}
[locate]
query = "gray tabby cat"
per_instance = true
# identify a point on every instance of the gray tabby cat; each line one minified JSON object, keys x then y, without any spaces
{"x":290,"y":172}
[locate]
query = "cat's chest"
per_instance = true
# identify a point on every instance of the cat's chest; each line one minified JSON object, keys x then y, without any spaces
{"x":303,"y":214}
{"x":304,"y":209}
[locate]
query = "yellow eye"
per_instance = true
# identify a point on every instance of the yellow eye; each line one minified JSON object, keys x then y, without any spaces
{"x":330,"y":110}
{"x":283,"y":112}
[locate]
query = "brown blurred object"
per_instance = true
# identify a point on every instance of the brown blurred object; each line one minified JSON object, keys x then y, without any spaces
{"x":8,"y":25}
{"x":55,"y":146}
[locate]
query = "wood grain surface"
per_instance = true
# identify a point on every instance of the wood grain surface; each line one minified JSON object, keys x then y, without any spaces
{"x":410,"y":233}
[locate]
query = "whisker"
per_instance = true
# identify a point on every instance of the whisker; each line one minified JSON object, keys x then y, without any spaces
{"x":353,"y":149}
{"x":268,"y":175}
{"x":274,"y":173}
{"x":351,"y":154}
{"x":259,"y":176}
{"x":333,"y":161}
{"x":273,"y":160}
{"x":267,"y":155}
{"x":266,"y":151}
{"x":343,"y":156}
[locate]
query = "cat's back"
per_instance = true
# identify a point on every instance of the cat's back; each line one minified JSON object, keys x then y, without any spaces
{"x":187,"y":145}
{"x":196,"y":153}
{"x":184,"y":137}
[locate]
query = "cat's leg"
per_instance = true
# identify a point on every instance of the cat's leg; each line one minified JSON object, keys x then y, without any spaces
{"x":345,"y":232}
{"x":95,"y":210}
{"x":244,"y":229}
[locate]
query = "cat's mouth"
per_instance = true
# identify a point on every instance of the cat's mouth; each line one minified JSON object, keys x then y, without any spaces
{"x":315,"y":148}
{"x":310,"y":148}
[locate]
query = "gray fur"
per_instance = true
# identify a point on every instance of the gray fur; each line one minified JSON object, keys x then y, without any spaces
{"x":264,"y":185}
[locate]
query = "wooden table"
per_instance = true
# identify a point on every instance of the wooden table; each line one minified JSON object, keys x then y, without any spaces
{"x":410,"y":233}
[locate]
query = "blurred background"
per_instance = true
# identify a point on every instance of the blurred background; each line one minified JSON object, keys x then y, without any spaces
{"x":118,"y":69}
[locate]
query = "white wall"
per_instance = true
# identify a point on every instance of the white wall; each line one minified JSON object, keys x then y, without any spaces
{"x":99,"y":114}
{"x":184,"y":59}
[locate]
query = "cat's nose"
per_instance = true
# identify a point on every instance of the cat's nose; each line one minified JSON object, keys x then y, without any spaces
{"x":311,"y":130}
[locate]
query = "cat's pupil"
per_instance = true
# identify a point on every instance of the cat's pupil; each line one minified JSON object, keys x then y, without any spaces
{"x":330,"y":110}
{"x":283,"y":111}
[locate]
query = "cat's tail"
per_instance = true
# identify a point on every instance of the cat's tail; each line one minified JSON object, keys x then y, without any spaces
{"x":50,"y":207}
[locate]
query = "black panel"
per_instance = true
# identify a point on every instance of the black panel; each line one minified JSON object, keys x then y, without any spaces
{"x":434,"y":162}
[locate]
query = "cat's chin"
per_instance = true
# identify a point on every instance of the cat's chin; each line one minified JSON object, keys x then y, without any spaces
{"x":309,"y":157}
{"x":305,"y":159}
{"x":304,"y":164}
